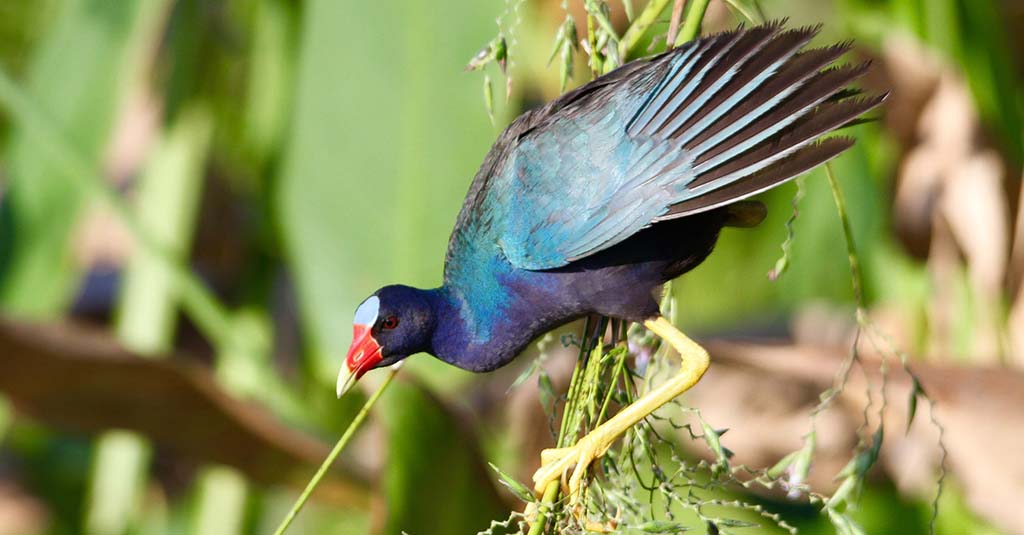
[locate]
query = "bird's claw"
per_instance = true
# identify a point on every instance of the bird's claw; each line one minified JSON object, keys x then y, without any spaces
{"x":556,"y":462}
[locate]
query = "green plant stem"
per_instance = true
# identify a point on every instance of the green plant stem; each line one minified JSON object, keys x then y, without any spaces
{"x":574,"y":384}
{"x":640,"y":26}
{"x":694,"y":17}
{"x":568,"y":412}
{"x":550,"y":495}
{"x":209,"y":315}
{"x":851,"y":250}
{"x":331,"y":457}
{"x":620,"y":363}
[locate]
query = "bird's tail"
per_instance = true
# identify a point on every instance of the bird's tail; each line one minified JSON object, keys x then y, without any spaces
{"x":748,"y":107}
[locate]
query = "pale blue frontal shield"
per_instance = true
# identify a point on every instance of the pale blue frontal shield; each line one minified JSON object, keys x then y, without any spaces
{"x":367,"y":312}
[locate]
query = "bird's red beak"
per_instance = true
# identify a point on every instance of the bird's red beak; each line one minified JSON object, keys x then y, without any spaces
{"x":363,"y":354}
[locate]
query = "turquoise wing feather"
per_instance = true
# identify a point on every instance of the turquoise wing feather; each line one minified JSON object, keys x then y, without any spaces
{"x":698,"y":127}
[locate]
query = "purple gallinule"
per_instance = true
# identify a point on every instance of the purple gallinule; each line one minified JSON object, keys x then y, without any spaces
{"x":588,"y":204}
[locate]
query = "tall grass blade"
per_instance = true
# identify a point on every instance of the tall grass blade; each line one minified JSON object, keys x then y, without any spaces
{"x":168,"y":198}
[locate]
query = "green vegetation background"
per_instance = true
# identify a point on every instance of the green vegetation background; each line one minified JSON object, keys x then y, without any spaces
{"x":348,"y":134}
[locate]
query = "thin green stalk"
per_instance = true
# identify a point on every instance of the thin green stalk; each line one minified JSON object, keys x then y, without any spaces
{"x":574,"y":384}
{"x":851,"y":251}
{"x":546,"y":502}
{"x":620,"y":363}
{"x":694,"y":18}
{"x":865,"y":323}
{"x":568,"y":413}
{"x":640,"y":26}
{"x":209,"y":315}
{"x":342,"y":442}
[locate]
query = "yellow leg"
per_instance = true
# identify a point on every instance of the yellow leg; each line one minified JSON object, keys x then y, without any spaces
{"x":555,"y":462}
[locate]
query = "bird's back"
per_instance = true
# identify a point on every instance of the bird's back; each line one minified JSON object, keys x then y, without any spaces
{"x":693,"y":129}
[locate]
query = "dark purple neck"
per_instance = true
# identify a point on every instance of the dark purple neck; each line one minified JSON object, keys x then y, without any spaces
{"x":477,"y":337}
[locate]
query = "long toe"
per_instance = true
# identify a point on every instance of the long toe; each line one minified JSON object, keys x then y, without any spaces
{"x":586,"y":451}
{"x":550,"y":455}
{"x":553,"y":463}
{"x":556,"y":462}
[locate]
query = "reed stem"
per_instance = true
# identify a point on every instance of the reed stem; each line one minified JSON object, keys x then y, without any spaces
{"x":694,"y":18}
{"x":342,"y":442}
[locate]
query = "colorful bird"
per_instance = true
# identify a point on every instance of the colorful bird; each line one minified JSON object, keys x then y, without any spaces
{"x":592,"y":202}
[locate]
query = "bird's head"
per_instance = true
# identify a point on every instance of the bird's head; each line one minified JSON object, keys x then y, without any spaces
{"x":393,"y":323}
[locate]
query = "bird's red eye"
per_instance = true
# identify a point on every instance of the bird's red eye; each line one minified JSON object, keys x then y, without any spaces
{"x":390,"y":322}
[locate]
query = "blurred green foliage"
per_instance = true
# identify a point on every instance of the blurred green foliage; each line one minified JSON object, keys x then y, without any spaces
{"x":349,"y":135}
{"x":96,"y":50}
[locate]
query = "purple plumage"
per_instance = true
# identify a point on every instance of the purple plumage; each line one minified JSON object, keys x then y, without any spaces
{"x":587,"y":204}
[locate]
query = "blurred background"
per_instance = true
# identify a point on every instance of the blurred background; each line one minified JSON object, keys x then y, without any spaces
{"x":195,"y":194}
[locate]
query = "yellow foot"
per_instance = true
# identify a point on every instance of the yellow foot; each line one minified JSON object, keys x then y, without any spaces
{"x":556,"y":462}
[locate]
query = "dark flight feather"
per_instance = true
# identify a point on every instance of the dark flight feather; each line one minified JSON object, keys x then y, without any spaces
{"x":587,"y":204}
{"x":695,"y":128}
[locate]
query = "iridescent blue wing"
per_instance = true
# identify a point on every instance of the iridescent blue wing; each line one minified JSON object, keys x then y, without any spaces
{"x":696,"y":128}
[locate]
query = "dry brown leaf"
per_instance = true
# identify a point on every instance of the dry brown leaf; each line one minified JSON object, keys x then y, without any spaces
{"x":974,"y":206}
{"x":80,"y":380}
{"x":950,"y":196}
{"x":980,"y":409}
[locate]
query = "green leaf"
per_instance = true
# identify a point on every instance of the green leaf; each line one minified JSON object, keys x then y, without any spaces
{"x":713,"y":439}
{"x":521,"y":491}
